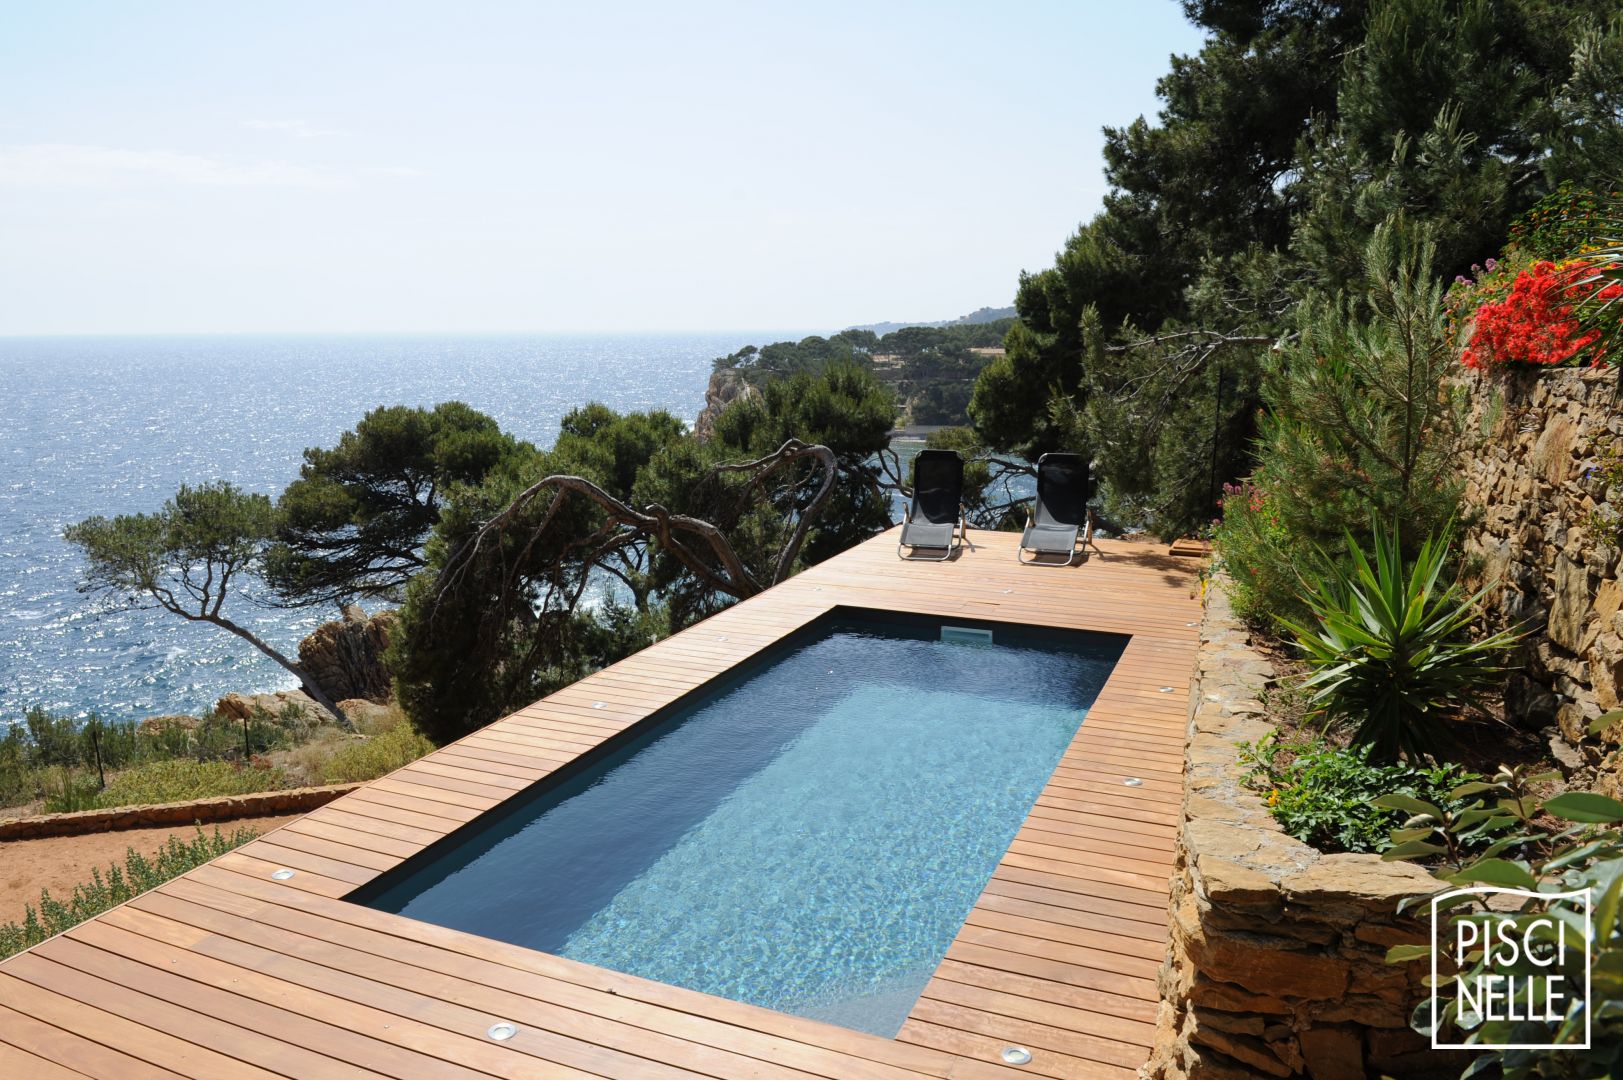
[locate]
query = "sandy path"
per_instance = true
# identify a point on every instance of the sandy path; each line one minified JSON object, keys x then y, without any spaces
{"x":58,"y":863}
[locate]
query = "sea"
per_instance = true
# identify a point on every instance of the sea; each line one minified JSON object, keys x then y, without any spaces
{"x":111,"y":425}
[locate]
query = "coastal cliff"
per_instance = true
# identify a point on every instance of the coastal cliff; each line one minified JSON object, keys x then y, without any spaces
{"x":726,"y":386}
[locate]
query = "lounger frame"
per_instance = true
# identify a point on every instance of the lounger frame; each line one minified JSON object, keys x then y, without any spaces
{"x":1078,"y":552}
{"x":957,"y":539}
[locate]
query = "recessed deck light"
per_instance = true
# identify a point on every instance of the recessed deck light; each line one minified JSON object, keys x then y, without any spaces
{"x":1191,"y":624}
{"x":1164,"y":690}
{"x":1133,"y":781}
{"x":600,"y":704}
{"x":1016,"y":1055}
{"x":284,"y":874}
{"x":503,"y":1031}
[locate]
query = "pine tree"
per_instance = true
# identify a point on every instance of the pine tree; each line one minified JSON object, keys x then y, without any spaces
{"x":1362,"y":423}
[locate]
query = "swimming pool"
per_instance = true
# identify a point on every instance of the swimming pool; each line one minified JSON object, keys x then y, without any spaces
{"x":807,"y":834}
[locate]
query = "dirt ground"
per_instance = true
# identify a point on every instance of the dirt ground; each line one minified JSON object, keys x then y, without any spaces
{"x":58,"y":863}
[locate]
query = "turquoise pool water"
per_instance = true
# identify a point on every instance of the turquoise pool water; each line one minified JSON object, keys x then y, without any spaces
{"x":808,"y":837}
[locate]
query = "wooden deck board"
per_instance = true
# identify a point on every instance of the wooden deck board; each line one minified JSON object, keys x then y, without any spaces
{"x":226,"y":972}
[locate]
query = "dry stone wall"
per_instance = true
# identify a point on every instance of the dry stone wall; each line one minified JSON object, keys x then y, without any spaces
{"x":1535,"y":537}
{"x":1276,"y":964}
{"x":196,"y":811}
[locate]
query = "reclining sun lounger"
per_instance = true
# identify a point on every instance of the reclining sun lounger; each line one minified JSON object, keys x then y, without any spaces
{"x":1060,"y":517}
{"x":935,"y":514}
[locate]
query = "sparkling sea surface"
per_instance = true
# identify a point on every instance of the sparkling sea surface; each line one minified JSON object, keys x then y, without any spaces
{"x":809,"y":838}
{"x":107,"y":425}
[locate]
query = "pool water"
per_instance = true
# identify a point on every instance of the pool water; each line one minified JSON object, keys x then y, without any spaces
{"x":809,"y":836}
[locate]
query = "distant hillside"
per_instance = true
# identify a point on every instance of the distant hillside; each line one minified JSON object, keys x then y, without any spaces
{"x":932,"y":368}
{"x":974,"y":318}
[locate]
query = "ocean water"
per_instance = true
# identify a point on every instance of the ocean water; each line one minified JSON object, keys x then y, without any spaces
{"x":809,"y":838}
{"x":111,"y":425}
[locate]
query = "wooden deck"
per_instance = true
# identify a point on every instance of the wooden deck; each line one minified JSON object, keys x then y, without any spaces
{"x":228,"y":973}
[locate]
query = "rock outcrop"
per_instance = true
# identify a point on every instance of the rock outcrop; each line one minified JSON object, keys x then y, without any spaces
{"x":345,"y":656}
{"x":274,"y":703}
{"x":363,"y":715}
{"x":726,"y":386}
{"x":1540,"y":539}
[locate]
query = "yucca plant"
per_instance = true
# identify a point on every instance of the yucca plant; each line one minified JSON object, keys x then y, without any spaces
{"x":1392,"y":648}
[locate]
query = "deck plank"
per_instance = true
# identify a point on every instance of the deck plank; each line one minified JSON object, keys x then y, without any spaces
{"x":225,"y":972}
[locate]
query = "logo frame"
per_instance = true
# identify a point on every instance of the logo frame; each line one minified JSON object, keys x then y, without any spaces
{"x":1584,"y":896}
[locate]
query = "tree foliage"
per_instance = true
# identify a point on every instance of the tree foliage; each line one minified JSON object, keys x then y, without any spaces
{"x":1360,"y":425}
{"x":355,"y":521}
{"x":627,"y":529}
{"x":930,"y":369}
{"x":1279,"y":149}
{"x":187,"y":558}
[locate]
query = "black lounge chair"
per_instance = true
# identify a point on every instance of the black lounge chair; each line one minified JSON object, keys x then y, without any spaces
{"x":935,"y":514}
{"x":1061,"y":516}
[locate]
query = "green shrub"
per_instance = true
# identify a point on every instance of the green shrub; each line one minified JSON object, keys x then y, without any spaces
{"x":1322,"y":794}
{"x":136,"y":876}
{"x":1392,"y":651}
{"x":1260,"y":556}
{"x":1586,"y":854}
{"x":57,"y":758}
{"x":371,"y":758}
{"x":54,"y":739}
{"x":183,"y":779}
{"x":1361,"y":420}
{"x":67,"y":790}
{"x":221,"y":738}
{"x":19,"y":783}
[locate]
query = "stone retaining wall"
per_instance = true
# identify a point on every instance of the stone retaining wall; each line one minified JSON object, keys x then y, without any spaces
{"x":1528,"y":461}
{"x":224,"y":808}
{"x":1276,"y":963}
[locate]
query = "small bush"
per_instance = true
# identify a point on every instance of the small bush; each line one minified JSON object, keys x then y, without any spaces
{"x":67,"y":791}
{"x":1321,"y":794}
{"x":369,"y":759}
{"x":306,"y":764}
{"x":18,"y":782}
{"x":60,"y":760}
{"x":55,"y":738}
{"x":1260,"y":556}
{"x":121,"y":883}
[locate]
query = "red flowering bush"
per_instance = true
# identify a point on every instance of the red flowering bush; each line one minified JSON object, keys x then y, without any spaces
{"x":1552,"y":298}
{"x":1535,"y":322}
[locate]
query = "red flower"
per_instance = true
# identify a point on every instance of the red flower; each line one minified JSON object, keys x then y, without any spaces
{"x":1534,"y":323}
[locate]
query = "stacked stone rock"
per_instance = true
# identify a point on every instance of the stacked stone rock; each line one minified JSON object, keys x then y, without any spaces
{"x":1529,"y":465}
{"x":1276,"y":964}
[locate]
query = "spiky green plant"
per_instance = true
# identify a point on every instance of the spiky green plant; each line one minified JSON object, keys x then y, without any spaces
{"x":1392,"y":649}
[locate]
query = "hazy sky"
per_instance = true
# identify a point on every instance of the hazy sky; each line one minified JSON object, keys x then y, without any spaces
{"x":542,"y":166}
